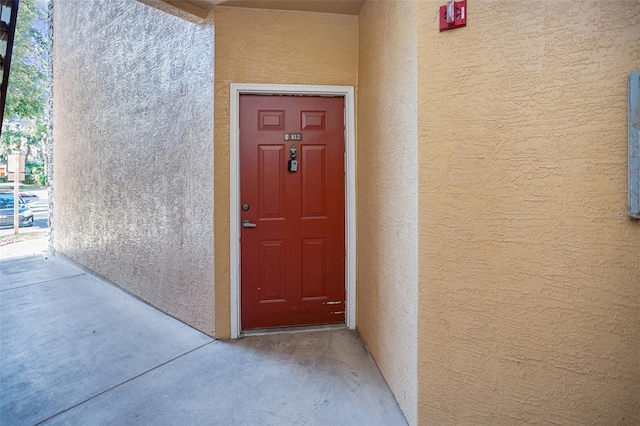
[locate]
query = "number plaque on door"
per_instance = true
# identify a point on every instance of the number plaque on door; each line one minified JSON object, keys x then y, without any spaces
{"x":293,"y":136}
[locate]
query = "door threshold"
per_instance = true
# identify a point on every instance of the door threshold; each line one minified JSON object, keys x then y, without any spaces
{"x":291,"y":330}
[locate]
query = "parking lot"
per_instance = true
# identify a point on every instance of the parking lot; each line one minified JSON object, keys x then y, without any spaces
{"x":38,"y":202}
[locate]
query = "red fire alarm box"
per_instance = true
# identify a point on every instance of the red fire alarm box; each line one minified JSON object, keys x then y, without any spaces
{"x":453,"y":15}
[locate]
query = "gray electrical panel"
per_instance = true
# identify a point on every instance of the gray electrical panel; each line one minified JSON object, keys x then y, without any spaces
{"x":634,"y":145}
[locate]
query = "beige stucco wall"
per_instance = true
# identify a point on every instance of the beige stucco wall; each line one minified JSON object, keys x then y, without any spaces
{"x":388,"y":194}
{"x":134,"y":195}
{"x":270,"y":47}
{"x":529,"y":267}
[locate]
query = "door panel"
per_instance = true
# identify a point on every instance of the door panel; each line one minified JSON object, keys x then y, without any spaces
{"x":313,"y":269}
{"x":314,"y":182}
{"x":293,"y":260}
{"x":271,"y":261}
{"x":271,"y":180}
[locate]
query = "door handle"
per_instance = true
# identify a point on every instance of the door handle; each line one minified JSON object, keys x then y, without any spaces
{"x":248,"y":224}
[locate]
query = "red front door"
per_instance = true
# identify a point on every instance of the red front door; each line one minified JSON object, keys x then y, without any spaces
{"x":293,"y":233}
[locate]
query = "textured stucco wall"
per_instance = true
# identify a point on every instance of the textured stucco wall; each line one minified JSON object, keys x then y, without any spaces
{"x":271,"y":47}
{"x":388,"y":194}
{"x":529,"y":267}
{"x":133,"y":132}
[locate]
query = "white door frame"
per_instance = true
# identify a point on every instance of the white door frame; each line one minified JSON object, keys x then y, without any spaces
{"x":347,"y":92}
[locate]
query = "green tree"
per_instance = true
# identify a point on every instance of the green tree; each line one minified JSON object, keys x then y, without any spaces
{"x":25,"y":121}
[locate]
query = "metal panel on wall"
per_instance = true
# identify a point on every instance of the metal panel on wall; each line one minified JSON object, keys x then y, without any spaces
{"x":634,"y":145}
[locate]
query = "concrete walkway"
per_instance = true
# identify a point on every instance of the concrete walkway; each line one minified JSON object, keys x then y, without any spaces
{"x":77,"y":350}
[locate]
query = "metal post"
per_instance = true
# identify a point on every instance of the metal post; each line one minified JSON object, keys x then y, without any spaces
{"x":16,"y":166}
{"x":16,"y":199}
{"x":6,"y":52}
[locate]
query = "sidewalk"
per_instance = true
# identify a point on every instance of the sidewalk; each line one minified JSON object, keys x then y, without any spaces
{"x":77,"y":350}
{"x":28,"y":242}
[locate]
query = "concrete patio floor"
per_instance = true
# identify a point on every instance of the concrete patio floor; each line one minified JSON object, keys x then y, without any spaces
{"x":75,"y":349}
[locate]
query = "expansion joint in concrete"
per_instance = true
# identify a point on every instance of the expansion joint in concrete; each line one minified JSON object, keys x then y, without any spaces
{"x":124,"y":382}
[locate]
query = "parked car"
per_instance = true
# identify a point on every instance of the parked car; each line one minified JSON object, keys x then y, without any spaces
{"x":6,"y":211}
{"x":28,"y":196}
